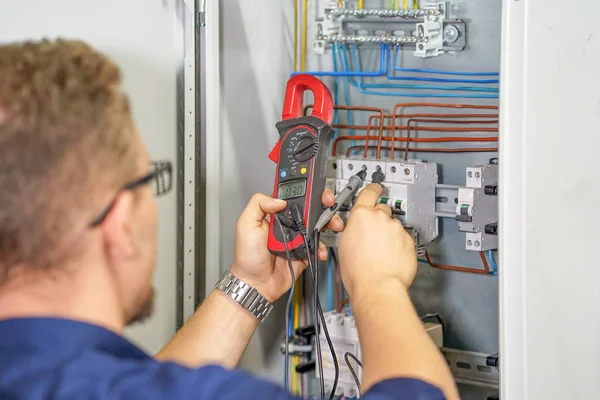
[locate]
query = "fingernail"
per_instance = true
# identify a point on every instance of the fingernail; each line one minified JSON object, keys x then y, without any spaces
{"x":279,"y":201}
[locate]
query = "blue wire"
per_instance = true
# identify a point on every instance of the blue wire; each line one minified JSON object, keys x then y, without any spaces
{"x":329,"y":283}
{"x":346,"y":72}
{"x":350,"y":117}
{"x":492,"y":263}
{"x":355,"y":61}
{"x":335,"y":88}
{"x":415,"y":78}
{"x":291,"y":321}
{"x":440,"y":72}
{"x":290,"y":332}
{"x":428,"y":87}
{"x":361,"y":89}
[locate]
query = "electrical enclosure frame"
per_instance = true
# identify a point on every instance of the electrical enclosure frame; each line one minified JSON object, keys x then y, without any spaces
{"x":200,"y":152}
{"x":522,"y":23}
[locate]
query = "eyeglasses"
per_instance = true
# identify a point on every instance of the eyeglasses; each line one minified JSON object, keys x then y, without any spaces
{"x":159,"y":178}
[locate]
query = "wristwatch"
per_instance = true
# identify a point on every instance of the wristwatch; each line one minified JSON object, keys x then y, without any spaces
{"x":245,"y":295}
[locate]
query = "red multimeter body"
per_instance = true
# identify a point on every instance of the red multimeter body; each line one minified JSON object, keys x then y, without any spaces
{"x":301,"y":156}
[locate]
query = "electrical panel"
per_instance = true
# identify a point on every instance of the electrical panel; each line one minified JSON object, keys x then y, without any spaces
{"x":417,"y":109}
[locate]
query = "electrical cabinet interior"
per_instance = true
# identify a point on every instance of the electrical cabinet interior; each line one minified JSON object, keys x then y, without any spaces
{"x":416,"y":89}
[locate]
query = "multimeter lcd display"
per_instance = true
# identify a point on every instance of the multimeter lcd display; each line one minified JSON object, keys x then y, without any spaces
{"x":291,"y":190}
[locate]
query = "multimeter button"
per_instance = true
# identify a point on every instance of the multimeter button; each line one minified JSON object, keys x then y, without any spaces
{"x":303,"y":170}
{"x":283,"y":174}
{"x":305,"y":149}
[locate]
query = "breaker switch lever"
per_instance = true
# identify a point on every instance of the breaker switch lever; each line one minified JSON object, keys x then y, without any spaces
{"x":464,"y":214}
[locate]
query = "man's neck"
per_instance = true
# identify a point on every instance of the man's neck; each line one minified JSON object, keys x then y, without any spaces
{"x":61,"y":294}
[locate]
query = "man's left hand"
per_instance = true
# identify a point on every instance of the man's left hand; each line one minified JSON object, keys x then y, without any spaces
{"x":253,"y":262}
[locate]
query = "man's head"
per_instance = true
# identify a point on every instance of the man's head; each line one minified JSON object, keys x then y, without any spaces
{"x":68,"y":146}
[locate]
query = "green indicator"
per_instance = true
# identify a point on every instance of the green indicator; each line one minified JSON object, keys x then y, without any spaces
{"x":384,"y":200}
{"x":464,"y":206}
{"x":398,"y":204}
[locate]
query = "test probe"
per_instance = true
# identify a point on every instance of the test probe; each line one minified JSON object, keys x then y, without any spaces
{"x":354,"y":183}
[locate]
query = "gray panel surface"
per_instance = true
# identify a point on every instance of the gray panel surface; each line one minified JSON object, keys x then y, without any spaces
{"x":467,"y":302}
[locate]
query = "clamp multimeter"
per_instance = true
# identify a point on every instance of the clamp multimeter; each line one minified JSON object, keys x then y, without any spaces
{"x":301,"y":156}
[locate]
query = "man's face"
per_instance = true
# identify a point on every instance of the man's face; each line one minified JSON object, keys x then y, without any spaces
{"x":136,"y":280}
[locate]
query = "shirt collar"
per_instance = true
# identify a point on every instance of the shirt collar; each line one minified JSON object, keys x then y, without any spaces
{"x":51,"y":333}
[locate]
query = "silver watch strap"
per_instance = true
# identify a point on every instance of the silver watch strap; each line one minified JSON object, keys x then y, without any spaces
{"x":245,"y":295}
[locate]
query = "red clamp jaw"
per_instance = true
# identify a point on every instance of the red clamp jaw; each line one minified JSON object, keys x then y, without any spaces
{"x":293,"y":103}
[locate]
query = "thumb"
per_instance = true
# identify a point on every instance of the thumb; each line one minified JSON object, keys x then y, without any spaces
{"x":259,"y":206}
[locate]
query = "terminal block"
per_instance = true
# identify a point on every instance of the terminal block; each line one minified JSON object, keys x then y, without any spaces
{"x":344,"y":336}
{"x":430,"y":33}
{"x":430,"y":30}
{"x":408,"y":188}
{"x":327,"y":25}
{"x":477,"y":208}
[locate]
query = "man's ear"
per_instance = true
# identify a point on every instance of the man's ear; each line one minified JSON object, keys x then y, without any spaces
{"x":117,"y":228}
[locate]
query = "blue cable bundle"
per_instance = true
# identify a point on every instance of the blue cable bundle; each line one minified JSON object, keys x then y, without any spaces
{"x":364,"y":88}
{"x":440,"y":72}
{"x":351,"y":76}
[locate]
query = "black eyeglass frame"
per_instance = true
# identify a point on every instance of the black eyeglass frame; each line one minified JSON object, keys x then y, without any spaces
{"x":159,"y":169}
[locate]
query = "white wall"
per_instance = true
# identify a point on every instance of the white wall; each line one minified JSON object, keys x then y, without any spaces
{"x":550,"y":189}
{"x":144,"y":38}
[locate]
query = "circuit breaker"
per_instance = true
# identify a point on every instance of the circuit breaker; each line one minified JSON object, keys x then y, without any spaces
{"x":477,"y":208}
{"x":408,"y":188}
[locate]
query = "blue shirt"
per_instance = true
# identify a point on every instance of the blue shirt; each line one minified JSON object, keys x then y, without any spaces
{"x":47,"y":358}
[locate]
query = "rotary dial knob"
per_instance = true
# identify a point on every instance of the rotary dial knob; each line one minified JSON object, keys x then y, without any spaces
{"x":305,"y":149}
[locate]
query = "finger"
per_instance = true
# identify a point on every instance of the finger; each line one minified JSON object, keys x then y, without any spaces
{"x":323,"y":253}
{"x":259,"y":206}
{"x":369,"y":195}
{"x":397,"y":221}
{"x":385,"y":208}
{"x":337,"y":224}
{"x":328,"y":199}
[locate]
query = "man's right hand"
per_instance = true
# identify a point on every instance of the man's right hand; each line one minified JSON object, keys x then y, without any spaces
{"x":375,"y":248}
{"x":378,"y":262}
